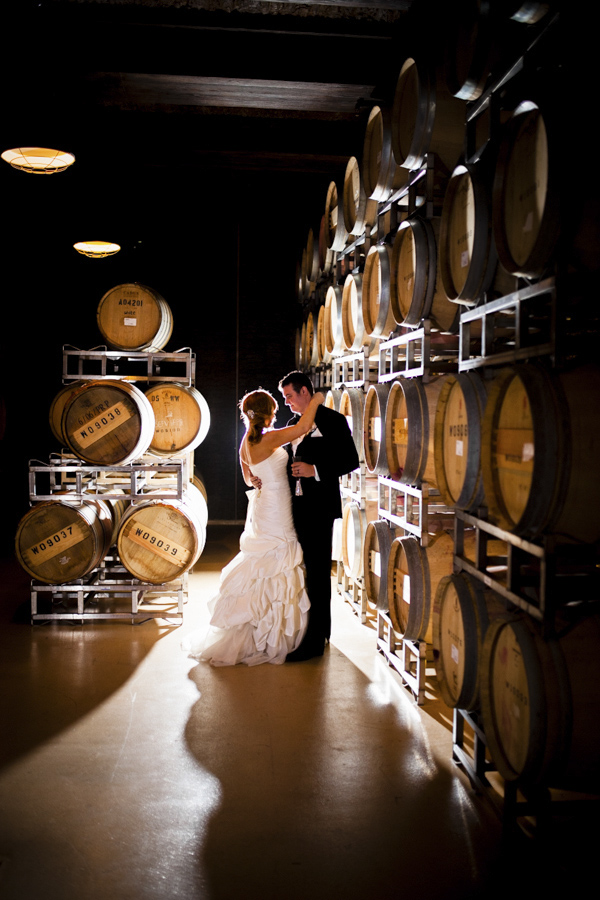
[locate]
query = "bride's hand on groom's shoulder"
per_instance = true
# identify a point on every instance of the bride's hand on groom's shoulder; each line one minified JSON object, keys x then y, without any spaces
{"x":319,"y":397}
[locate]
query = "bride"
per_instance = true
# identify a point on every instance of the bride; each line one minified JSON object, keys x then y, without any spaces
{"x":260,"y":612}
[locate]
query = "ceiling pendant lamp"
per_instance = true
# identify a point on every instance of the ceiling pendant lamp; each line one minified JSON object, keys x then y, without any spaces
{"x":96,"y":249}
{"x":38,"y":160}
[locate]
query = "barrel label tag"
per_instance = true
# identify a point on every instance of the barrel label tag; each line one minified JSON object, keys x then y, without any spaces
{"x":54,"y":544}
{"x":130,"y":321}
{"x":402,"y":584}
{"x":400,"y":428}
{"x":454,"y":653}
{"x":158,"y":544}
{"x":102,"y":425}
{"x":464,"y":259}
{"x":459,"y":448}
{"x":375,"y":562}
{"x":375,"y":429}
{"x":516,"y":445}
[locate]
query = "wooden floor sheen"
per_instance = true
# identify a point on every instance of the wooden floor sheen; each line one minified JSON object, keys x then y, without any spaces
{"x":130,"y":771}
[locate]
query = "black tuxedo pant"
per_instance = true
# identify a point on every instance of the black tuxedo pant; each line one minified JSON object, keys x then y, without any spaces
{"x":315,"y":533}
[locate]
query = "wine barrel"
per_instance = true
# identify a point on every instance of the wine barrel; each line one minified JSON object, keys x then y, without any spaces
{"x":352,"y":406}
{"x":354,"y":526}
{"x":540,"y":446}
{"x":333,"y":398}
{"x":376,"y":551}
{"x":334,"y":333}
{"x":360,"y":212}
{"x":182,"y":418}
{"x":467,"y":255}
{"x":310,"y":353}
{"x":461,"y":615}
{"x":336,"y":233}
{"x":425,"y":117}
{"x":378,"y":315}
{"x":59,"y":541}
{"x":374,"y":429}
{"x":306,"y":285}
{"x":57,"y":408}
{"x":526,"y":215}
{"x":457,"y":444}
{"x":416,"y":290}
{"x":160,"y":540}
{"x":414,"y":573}
{"x":410,"y":427}
{"x":476,"y":41}
{"x":540,"y":702}
{"x":353,"y":327}
{"x":312,"y":256}
{"x":323,"y":354}
{"x":134,"y":317}
{"x":327,"y":256}
{"x":298,"y":349}
{"x":108,"y":422}
{"x":381,"y":175}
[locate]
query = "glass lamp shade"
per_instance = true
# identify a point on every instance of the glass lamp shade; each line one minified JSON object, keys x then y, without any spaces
{"x":96,"y":249}
{"x":38,"y":160}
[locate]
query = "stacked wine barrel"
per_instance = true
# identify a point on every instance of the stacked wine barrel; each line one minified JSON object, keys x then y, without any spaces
{"x":513,"y":440}
{"x":111,"y":422}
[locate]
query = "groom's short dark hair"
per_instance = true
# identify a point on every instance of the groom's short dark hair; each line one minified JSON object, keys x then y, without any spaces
{"x":298,"y":380}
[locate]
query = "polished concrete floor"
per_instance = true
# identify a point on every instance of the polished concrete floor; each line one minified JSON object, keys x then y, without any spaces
{"x":131,"y":771}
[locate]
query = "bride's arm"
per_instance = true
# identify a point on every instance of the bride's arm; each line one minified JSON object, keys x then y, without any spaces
{"x":281,"y":436}
{"x":247,"y":473}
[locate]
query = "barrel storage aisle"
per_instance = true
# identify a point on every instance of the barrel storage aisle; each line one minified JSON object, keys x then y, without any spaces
{"x":118,"y":517}
{"x":446,"y":307}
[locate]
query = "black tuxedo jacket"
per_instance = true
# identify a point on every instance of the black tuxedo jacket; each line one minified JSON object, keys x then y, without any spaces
{"x":333,"y":452}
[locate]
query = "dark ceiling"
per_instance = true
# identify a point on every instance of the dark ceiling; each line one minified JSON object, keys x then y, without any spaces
{"x":178,"y":83}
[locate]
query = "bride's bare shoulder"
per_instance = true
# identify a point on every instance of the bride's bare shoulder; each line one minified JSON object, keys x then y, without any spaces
{"x":255,"y":454}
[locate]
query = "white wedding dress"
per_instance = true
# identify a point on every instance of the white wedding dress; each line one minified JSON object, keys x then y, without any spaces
{"x":261,"y":610}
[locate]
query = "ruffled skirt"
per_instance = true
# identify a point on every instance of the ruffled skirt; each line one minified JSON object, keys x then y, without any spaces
{"x":261,"y":610}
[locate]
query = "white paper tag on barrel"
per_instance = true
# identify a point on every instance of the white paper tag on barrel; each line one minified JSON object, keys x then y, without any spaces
{"x":156,"y":543}
{"x":55,"y":543}
{"x":101,"y":424}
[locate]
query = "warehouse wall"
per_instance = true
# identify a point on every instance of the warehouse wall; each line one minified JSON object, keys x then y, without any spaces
{"x":221,"y":253}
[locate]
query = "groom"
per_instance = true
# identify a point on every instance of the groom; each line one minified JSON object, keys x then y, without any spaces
{"x":317,"y":460}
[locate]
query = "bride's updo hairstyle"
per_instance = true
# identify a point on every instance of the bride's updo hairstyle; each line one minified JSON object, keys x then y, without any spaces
{"x":257,"y":408}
